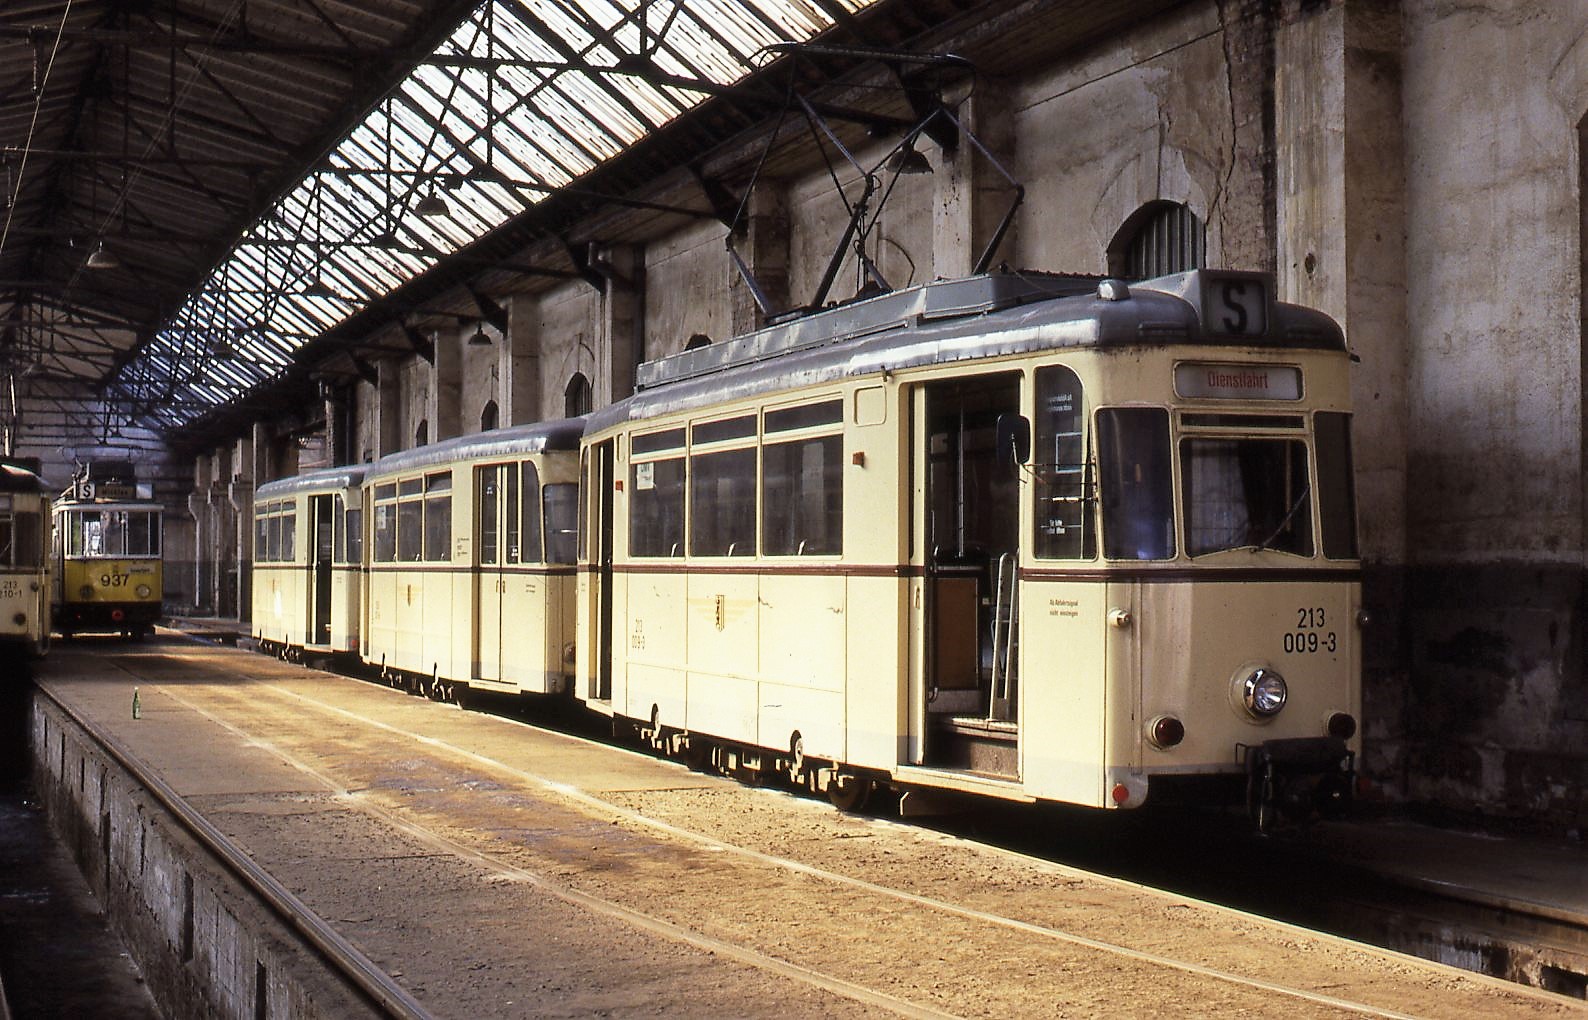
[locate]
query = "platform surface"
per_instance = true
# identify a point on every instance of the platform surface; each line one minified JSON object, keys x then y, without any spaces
{"x":501,"y":870}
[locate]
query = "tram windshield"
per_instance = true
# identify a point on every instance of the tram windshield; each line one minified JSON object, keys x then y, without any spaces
{"x":115,"y":533}
{"x":1246,"y":493}
{"x":20,"y":540}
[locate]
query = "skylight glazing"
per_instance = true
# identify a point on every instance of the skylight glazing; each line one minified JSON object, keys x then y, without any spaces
{"x":526,"y":96}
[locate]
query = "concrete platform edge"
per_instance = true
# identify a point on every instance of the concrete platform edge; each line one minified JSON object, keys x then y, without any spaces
{"x":205,"y":945}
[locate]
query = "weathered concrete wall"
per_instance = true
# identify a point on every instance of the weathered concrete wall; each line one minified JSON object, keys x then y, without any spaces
{"x":1495,"y":715}
{"x":686,"y":290}
{"x":206,"y":948}
{"x":1137,"y":119}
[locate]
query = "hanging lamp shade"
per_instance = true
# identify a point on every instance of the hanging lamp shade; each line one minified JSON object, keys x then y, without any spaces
{"x":433,"y":207}
{"x":102,"y":258}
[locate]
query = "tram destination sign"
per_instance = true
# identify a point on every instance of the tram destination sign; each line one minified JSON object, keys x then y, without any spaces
{"x":1219,"y":381}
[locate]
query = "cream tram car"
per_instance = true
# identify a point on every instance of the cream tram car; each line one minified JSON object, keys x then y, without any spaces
{"x":1021,"y":535}
{"x":24,"y":562}
{"x":308,"y":542}
{"x":470,"y":562}
{"x":109,"y":575}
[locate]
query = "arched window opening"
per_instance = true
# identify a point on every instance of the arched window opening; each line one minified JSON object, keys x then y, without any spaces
{"x":1158,"y":239}
{"x":576,"y":398}
{"x":422,"y":433}
{"x":489,"y":416}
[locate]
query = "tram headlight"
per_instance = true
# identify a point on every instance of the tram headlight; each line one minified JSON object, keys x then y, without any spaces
{"x":143,"y":591}
{"x":1262,"y":692}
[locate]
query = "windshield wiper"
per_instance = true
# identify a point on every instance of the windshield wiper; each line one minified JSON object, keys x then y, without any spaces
{"x":1264,"y":544}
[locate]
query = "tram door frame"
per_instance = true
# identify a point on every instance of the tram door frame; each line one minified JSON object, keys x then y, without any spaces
{"x":322,"y":560}
{"x":603,"y":469}
{"x":952,"y":620}
{"x":490,"y":577}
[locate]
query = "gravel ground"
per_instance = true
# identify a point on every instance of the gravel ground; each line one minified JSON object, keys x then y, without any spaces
{"x":498,"y":870}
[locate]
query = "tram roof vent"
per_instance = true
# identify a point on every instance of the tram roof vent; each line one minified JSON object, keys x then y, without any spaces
{"x":943,"y":299}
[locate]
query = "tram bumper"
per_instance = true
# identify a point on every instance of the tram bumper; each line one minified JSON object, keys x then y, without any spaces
{"x":1298,"y":779}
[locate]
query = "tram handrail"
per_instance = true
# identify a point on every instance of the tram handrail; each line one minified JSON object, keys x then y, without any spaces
{"x":385,"y":993}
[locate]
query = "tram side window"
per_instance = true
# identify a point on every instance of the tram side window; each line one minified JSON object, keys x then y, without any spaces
{"x":7,"y":540}
{"x":802,"y":497}
{"x":530,"y":509}
{"x":385,"y":538}
{"x":28,"y":537}
{"x":410,"y":520}
{"x":289,"y":531}
{"x":510,"y":478}
{"x":1063,"y":476}
{"x":261,"y":539}
{"x":1336,"y":485}
{"x":1134,"y":469}
{"x":353,"y":535}
{"x":560,"y":501}
{"x":722,"y":503}
{"x":656,"y":508}
{"x":273,"y":535}
{"x":438,"y":518}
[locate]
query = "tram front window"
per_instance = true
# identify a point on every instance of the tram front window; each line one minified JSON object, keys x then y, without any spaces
{"x":1246,"y":494}
{"x":1133,"y":463}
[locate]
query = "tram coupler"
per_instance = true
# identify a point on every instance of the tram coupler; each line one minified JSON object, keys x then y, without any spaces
{"x":1298,"y":779}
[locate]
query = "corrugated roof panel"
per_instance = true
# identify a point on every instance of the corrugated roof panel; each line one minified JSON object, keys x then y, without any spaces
{"x":532,"y":89}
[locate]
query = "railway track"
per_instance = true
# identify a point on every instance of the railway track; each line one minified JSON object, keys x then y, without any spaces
{"x":858,"y":913}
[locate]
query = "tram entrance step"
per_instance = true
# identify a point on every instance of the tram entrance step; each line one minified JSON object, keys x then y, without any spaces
{"x":975,"y":744}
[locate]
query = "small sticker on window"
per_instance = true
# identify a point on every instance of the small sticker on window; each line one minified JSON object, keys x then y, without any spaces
{"x":644,"y":477}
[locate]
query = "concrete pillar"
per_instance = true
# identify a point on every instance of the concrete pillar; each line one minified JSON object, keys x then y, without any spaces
{"x":388,"y":408}
{"x":445,"y":399}
{"x":622,"y":323}
{"x":764,"y":247}
{"x":198,"y":509}
{"x":520,"y":369}
{"x":339,"y":430}
{"x":1341,"y":247}
{"x":970,"y":196}
{"x":1243,"y":212}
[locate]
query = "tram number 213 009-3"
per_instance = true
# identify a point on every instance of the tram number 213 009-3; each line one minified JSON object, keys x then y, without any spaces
{"x":1311,"y":634}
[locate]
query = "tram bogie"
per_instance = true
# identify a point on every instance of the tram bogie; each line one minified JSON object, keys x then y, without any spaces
{"x":24,"y":561}
{"x":109,"y":574}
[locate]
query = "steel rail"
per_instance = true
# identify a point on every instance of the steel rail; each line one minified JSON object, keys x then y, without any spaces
{"x":383,"y":992}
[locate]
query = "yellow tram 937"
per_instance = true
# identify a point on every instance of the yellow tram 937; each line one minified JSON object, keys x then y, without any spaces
{"x":107,"y":542}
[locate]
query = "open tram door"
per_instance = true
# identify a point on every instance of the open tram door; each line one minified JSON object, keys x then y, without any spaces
{"x":965,"y":508}
{"x":596,"y":530}
{"x":494,"y":505}
{"x":322,"y":548}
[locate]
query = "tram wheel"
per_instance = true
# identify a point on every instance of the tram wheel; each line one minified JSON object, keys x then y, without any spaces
{"x":848,"y":792}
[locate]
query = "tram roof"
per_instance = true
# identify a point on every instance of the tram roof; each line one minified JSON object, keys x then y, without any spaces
{"x":957,"y":320}
{"x":319,"y":480}
{"x":517,"y":440}
{"x":19,"y":479}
